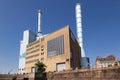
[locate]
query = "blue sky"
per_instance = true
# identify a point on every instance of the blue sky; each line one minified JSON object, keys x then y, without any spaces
{"x":101,"y":25}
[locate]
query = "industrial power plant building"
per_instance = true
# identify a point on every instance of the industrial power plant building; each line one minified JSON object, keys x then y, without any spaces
{"x":58,"y":51}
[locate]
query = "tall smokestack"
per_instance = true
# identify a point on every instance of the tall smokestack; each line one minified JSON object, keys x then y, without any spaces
{"x":79,"y":28}
{"x":39,"y":24}
{"x":84,"y":60}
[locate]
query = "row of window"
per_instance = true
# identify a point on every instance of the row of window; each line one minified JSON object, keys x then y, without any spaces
{"x":31,"y":61}
{"x":32,"y":56}
{"x":33,"y":47}
{"x":35,"y":42}
{"x":30,"y":48}
{"x":37,"y":46}
{"x":32,"y":51}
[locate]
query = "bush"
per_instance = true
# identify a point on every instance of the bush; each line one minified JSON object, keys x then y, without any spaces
{"x":40,"y":67}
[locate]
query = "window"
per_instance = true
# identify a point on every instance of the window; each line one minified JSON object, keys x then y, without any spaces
{"x":34,"y":50}
{"x":55,"y":46}
{"x":42,"y":59}
{"x":60,"y":66}
{"x":42,"y":53}
{"x":32,"y":69}
{"x":42,"y":48}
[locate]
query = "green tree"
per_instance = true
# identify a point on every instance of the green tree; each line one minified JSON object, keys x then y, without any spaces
{"x":40,"y":67}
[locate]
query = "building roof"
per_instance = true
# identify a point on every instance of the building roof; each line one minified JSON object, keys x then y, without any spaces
{"x":110,"y":57}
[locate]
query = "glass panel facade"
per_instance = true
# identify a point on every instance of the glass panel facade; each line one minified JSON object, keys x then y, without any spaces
{"x":55,"y":46}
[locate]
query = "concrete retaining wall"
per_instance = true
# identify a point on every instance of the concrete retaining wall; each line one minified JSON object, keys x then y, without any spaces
{"x":12,"y":77}
{"x":88,"y":74}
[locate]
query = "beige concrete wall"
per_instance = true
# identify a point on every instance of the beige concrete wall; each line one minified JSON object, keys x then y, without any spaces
{"x":51,"y":61}
{"x":32,"y":50}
